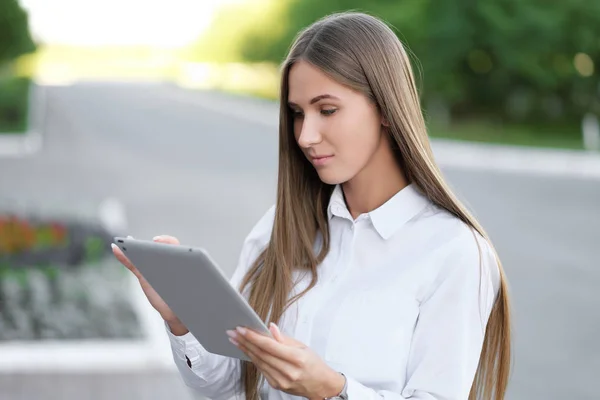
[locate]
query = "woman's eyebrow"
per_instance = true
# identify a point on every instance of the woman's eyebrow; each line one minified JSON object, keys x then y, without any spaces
{"x":315,"y":99}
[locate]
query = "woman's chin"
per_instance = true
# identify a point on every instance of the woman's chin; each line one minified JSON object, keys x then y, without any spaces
{"x":330,"y":177}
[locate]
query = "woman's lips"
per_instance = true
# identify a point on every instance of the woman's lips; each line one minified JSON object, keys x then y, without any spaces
{"x":321,"y":160}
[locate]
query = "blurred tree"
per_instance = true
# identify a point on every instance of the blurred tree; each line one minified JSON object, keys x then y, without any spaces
{"x":230,"y":35}
{"x":15,"y":38}
{"x":521,"y":62}
{"x":518,"y":60}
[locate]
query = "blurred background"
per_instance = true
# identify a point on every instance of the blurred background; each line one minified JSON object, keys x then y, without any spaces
{"x":140,"y":118}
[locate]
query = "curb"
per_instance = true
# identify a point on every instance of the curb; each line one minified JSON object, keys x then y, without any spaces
{"x":28,"y":143}
{"x":511,"y":159}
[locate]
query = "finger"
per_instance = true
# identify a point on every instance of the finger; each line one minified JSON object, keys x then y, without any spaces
{"x":276,"y":332}
{"x":124,"y":260}
{"x":281,"y":359}
{"x":287,"y":349}
{"x":166,"y":239}
{"x":274,"y":376}
{"x":281,"y":338}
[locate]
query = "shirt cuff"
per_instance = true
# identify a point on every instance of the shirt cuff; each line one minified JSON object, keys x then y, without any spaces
{"x":186,"y":348}
{"x":357,"y":390}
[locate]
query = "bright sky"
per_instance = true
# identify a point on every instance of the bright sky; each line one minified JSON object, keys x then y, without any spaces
{"x":147,"y":22}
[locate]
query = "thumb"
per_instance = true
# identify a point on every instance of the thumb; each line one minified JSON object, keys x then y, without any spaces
{"x":276,"y":332}
{"x":284,"y":339}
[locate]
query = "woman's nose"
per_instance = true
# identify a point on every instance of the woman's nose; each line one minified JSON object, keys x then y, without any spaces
{"x":309,"y":134}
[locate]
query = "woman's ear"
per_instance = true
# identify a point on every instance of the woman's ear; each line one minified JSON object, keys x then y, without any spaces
{"x":384,"y":121}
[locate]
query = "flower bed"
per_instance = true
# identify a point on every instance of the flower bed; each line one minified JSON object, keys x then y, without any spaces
{"x":58,"y":280}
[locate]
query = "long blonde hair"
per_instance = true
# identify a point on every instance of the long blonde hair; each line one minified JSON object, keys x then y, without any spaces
{"x":363,"y":53}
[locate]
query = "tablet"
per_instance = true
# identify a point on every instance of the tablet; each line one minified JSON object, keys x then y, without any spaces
{"x":197,"y":291}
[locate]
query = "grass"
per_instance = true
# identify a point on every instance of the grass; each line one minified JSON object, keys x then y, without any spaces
{"x":548,"y":136}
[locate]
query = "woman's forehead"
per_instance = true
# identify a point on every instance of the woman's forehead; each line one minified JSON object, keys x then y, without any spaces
{"x":306,"y":82}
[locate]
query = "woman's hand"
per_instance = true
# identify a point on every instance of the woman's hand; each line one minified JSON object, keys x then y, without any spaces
{"x":288,"y":364}
{"x":155,"y":300}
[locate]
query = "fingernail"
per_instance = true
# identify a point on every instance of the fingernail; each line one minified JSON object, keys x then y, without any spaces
{"x":232,"y":334}
{"x":234,"y":342}
{"x":113,"y":246}
{"x":156,"y":237}
{"x":241,"y":330}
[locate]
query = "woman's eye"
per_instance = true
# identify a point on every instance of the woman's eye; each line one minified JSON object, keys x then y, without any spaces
{"x":329,"y":111}
{"x":297,"y":114}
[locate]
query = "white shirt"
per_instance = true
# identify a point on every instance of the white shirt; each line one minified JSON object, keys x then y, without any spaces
{"x":400,"y":306}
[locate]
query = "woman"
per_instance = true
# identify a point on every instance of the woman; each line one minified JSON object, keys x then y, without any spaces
{"x":382,"y":284}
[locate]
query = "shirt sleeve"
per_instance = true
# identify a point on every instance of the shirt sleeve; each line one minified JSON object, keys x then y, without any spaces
{"x":212,"y":375}
{"x":450,"y":329}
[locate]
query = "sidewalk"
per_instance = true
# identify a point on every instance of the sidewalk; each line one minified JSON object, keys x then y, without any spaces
{"x":150,"y":385}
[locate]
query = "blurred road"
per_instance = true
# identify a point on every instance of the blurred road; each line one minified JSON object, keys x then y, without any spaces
{"x":203,"y":167}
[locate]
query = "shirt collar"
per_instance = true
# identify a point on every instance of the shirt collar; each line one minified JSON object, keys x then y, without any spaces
{"x":390,"y":216}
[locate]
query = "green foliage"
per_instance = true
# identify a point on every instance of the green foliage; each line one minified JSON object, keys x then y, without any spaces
{"x":15,"y":41}
{"x":236,"y":26}
{"x":511,"y":60}
{"x":14,"y":102}
{"x":15,"y":38}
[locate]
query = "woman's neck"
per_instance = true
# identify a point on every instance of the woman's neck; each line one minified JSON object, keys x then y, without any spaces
{"x":379,"y":181}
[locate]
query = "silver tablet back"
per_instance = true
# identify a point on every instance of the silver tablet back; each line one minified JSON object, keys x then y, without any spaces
{"x":197,"y":291}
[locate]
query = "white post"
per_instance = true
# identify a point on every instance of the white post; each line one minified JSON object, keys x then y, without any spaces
{"x":590,"y":128}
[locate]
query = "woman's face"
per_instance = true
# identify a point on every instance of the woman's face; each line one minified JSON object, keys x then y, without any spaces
{"x":338,"y":129}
